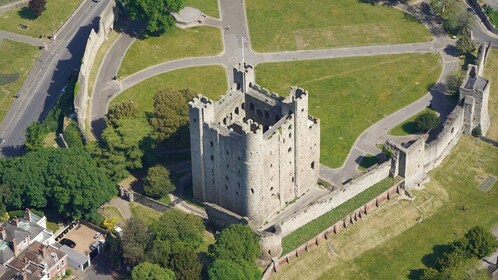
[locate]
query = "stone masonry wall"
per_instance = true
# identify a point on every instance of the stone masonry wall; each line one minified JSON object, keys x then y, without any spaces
{"x":94,"y":42}
{"x":335,"y":198}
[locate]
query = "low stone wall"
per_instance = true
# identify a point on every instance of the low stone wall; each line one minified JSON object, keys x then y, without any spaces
{"x":149,"y":202}
{"x":348,"y":221}
{"x":335,"y":198}
{"x":94,"y":42}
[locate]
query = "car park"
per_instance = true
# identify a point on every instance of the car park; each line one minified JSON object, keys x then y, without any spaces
{"x":68,"y":242}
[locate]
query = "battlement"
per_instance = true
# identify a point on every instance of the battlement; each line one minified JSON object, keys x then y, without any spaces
{"x":200,"y":101}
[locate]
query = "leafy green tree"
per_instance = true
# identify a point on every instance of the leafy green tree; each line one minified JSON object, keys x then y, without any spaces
{"x":426,"y":121}
{"x":222,"y":269}
{"x":477,"y":242}
{"x":170,"y":121}
{"x":134,"y":241}
{"x":37,"y":6}
{"x":159,"y":252}
{"x":34,"y":136}
{"x":157,"y":182}
{"x":124,"y":109}
{"x":115,"y":256}
{"x":156,"y":13}
{"x":457,"y":22}
{"x":236,"y":242}
{"x":72,"y":136}
{"x":465,"y":44}
{"x":181,"y":229}
{"x":151,"y":271}
{"x":185,"y":264}
{"x":454,"y":81}
{"x":443,"y":8}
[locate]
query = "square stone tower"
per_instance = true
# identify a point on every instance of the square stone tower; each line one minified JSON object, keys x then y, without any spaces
{"x":253,"y":151}
{"x":474,"y":96}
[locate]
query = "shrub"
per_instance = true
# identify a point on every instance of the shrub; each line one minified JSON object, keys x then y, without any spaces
{"x":426,"y":121}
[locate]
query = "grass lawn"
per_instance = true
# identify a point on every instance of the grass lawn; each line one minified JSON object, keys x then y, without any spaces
{"x":146,"y":214}
{"x":209,"y":7}
{"x":114,"y":212}
{"x":313,"y":228}
{"x":367,"y":161}
{"x":350,"y":94}
{"x":175,"y":44}
{"x":491,"y":73}
{"x":5,"y":2}
{"x":454,"y":183}
{"x":208,"y":80}
{"x":407,"y":127}
{"x":48,"y":23}
{"x":280,"y":25}
{"x":49,"y":141}
{"x":16,"y":61}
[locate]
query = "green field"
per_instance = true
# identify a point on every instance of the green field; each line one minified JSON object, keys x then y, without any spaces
{"x":175,"y":44}
{"x":391,"y":244}
{"x":209,"y":7}
{"x":491,"y":73}
{"x":350,"y":94}
{"x":280,"y":25}
{"x":407,"y":127}
{"x":16,"y":61}
{"x":47,"y":24}
{"x":5,"y":2}
{"x":208,"y":80}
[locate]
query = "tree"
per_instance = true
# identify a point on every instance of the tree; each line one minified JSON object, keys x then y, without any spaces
{"x":156,"y":13}
{"x":66,"y":179}
{"x":454,"y":81}
{"x":72,"y":136}
{"x":134,"y":241}
{"x":37,"y":6}
{"x":124,"y":109}
{"x":443,"y":8}
{"x":157,"y":182}
{"x":426,"y":121}
{"x":477,"y":242}
{"x":110,"y":223}
{"x":170,"y":121}
{"x":222,"y":269}
{"x":465,"y":44}
{"x":181,"y":230}
{"x":34,"y":136}
{"x":151,"y":272}
{"x":185,"y":264}
{"x":236,"y":242}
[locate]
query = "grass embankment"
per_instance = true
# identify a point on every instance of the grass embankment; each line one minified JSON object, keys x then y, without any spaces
{"x":175,"y":44}
{"x":318,"y":24}
{"x":16,"y":61}
{"x":209,"y":7}
{"x":407,"y":127}
{"x":208,"y":80}
{"x":47,"y":24}
{"x":313,"y":228}
{"x":350,"y":94}
{"x":113,"y":212}
{"x":391,"y":244}
{"x":491,"y":73}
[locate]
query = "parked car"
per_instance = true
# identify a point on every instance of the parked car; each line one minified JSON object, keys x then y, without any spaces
{"x":97,"y":245}
{"x":68,"y":242}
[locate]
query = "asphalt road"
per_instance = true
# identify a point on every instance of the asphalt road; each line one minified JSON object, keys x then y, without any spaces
{"x":49,"y":76}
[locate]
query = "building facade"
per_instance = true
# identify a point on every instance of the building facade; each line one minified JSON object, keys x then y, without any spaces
{"x":252,"y":151}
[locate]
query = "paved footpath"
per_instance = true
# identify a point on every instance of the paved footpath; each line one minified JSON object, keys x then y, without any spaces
{"x":233,"y":15}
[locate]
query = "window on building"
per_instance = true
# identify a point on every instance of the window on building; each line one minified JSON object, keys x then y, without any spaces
{"x":312,"y":165}
{"x":252,"y":191}
{"x":242,"y":106}
{"x":237,"y":193}
{"x":227,"y":178}
{"x":290,"y":126}
{"x":289,"y":150}
{"x":58,"y":267}
{"x":212,"y":158}
{"x":211,"y":143}
{"x":226,"y":187}
{"x":62,"y":263}
{"x":292,"y":179}
{"x":290,"y":135}
{"x":237,"y":110}
{"x":251,"y":107}
{"x":267,"y":115}
{"x":195,"y":120}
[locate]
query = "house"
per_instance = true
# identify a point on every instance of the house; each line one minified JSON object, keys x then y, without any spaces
{"x":37,"y":262}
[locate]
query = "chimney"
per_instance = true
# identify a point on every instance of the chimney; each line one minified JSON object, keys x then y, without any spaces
{"x":15,"y":221}
{"x":28,"y":215}
{"x":3,"y":233}
{"x":14,"y":246}
{"x":43,"y":251}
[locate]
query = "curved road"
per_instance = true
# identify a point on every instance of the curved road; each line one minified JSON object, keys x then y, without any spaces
{"x":233,"y":15}
{"x":49,"y":74}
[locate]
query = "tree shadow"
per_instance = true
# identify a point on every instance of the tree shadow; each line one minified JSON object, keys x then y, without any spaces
{"x":410,"y":128}
{"x":382,"y":2}
{"x":438,"y":251}
{"x":367,"y":161}
{"x":415,"y":274}
{"x":27,"y":13}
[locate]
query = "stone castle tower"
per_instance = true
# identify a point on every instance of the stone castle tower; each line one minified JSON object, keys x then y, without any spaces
{"x":474,"y":96}
{"x":253,"y":151}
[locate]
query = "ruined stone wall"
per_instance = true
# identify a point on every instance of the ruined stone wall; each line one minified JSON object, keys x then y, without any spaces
{"x":335,"y":198}
{"x":94,"y":42}
{"x":437,"y":150}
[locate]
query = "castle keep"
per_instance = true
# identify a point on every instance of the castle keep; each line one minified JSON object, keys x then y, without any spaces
{"x":253,"y":151}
